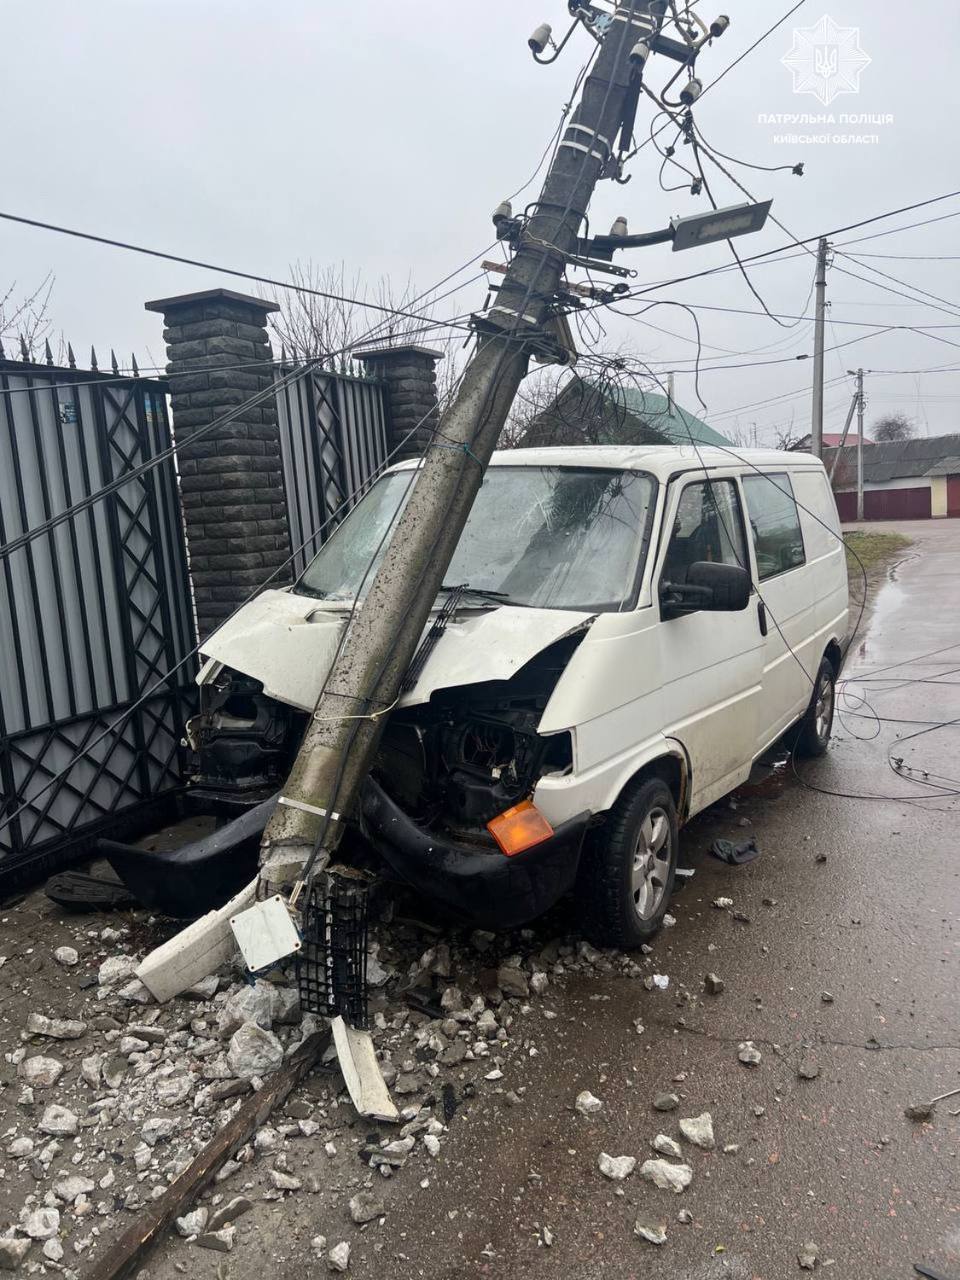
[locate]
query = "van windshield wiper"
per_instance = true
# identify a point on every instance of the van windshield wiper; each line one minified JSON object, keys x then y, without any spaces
{"x":464,"y":589}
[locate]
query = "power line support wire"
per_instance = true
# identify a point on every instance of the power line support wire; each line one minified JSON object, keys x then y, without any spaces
{"x":365,"y":679}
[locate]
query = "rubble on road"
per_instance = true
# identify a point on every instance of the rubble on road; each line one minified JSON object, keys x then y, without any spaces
{"x":809,"y":1256}
{"x":648,"y":1228}
{"x":616,"y":1167}
{"x":699,"y":1131}
{"x":587,"y":1104}
{"x":749,"y":1054}
{"x":667,"y":1176}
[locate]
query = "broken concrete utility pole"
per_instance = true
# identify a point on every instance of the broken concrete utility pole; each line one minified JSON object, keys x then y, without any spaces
{"x":364,"y":682}
{"x":816,"y":423}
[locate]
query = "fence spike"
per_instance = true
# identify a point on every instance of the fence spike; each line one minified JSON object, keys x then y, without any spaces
{"x":47,"y":353}
{"x":113,"y":361}
{"x":24,"y":353}
{"x":71,"y":358}
{"x":93,"y":361}
{"x":133,"y":365}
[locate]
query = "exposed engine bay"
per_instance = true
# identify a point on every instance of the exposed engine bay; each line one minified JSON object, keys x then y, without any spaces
{"x":452,"y":763}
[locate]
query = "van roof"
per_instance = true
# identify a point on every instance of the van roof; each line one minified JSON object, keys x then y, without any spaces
{"x":662,"y":460}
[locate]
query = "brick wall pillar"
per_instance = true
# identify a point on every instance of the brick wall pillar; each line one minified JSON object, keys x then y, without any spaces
{"x":410,"y":375}
{"x":231,"y":484}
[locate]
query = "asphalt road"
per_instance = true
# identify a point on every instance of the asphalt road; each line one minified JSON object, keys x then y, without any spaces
{"x":832,"y":1160}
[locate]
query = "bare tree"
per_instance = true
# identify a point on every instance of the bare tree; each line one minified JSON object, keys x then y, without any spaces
{"x":26,"y":320}
{"x":893,"y":427}
{"x":324,"y":316}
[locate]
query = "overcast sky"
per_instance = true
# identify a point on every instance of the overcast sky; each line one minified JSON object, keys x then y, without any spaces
{"x":382,"y":135}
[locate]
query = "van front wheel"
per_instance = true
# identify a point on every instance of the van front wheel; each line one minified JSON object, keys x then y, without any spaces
{"x":628,"y":871}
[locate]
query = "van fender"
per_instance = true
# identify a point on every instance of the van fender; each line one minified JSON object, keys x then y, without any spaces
{"x":597,"y":790}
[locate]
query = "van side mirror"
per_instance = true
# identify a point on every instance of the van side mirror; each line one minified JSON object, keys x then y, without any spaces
{"x":717,"y":588}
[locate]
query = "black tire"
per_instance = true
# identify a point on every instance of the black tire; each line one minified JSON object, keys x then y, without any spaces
{"x":813,"y":731}
{"x":616,"y":912}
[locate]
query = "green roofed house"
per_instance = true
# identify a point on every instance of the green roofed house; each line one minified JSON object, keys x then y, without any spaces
{"x":608,"y":413}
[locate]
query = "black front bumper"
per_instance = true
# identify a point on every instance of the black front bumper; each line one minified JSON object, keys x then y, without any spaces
{"x":485,"y":887}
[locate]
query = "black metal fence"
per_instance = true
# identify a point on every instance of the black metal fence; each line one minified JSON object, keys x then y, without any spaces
{"x":332,"y":438}
{"x":93,"y":613}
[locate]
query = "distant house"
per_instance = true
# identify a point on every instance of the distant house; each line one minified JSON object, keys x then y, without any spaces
{"x":902,"y":480}
{"x":606,"y":413}
{"x":831,"y":439}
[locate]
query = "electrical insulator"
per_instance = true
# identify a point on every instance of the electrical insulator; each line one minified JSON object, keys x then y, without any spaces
{"x":502,"y":213}
{"x":719,"y":25}
{"x":691,"y":91}
{"x":619,"y":227}
{"x":639,"y":54}
{"x":541,"y":37}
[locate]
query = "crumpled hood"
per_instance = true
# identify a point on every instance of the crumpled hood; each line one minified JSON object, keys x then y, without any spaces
{"x":288,"y":642}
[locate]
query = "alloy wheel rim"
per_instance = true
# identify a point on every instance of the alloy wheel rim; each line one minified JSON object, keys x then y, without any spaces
{"x":651,"y":863}
{"x":824,"y":707}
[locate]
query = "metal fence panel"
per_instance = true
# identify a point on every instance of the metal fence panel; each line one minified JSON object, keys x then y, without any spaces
{"x":93,"y":613}
{"x":332,"y":440}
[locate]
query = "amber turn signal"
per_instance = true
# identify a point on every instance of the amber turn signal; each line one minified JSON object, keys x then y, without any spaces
{"x":519,"y":828}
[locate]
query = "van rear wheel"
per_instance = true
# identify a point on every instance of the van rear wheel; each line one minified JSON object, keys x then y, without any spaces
{"x":628,"y":871}
{"x":813,"y":731}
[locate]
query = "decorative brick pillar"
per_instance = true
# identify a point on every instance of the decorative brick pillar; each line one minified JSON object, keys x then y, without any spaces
{"x":231,"y":482}
{"x":410,"y":375}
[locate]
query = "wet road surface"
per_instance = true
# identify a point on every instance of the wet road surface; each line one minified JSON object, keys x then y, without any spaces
{"x":856,"y":898}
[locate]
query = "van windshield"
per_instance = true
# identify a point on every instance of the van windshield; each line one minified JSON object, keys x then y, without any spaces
{"x":546,"y":537}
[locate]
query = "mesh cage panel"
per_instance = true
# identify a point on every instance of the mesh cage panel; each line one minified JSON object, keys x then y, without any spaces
{"x":332,"y":962}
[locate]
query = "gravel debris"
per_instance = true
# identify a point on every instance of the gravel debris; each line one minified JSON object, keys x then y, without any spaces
{"x":667,"y":1176}
{"x":587,"y":1104}
{"x":648,"y":1228}
{"x":616,"y":1167}
{"x":748,"y":1054}
{"x":699,"y":1131}
{"x":665,"y":1102}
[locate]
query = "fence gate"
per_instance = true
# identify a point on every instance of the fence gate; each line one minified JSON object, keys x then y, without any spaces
{"x":93,"y":614}
{"x":332,"y":439}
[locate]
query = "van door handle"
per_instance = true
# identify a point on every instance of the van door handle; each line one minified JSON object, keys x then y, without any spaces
{"x":762,"y":617}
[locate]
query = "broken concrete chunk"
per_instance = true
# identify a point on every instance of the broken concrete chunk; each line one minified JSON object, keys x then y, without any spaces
{"x":748,"y":1054}
{"x":656,"y":981}
{"x":667,"y":1176}
{"x":431,"y":1144}
{"x":338,"y":1259}
{"x":13,"y":1250}
{"x":53,"y":1249}
{"x":365,"y":1206}
{"x":41,"y":1224}
{"x":616,"y":1167}
{"x":648,"y":1228}
{"x":158,"y":1129}
{"x":71,"y":1185}
{"x":685,"y":1217}
{"x":667,"y":1146}
{"x":266,"y":1140}
{"x":192,"y":1223}
{"x":512,"y":981}
{"x":713,"y":984}
{"x":58,"y":1121}
{"x":587,"y":1104}
{"x":254,"y":1051}
{"x":665,"y":1102}
{"x":131,"y":1044}
{"x":723,"y":904}
{"x":808,"y":1069}
{"x":919,"y":1112}
{"x":452,"y":1000}
{"x":171,"y":1092}
{"x":40,"y":1072}
{"x":116,"y":969}
{"x":134,"y":992}
{"x":91,"y":1069}
{"x":699,"y":1131}
{"x":20,"y":1147}
{"x":55,"y":1028}
{"x":257,"y":1003}
{"x":539,"y":982}
{"x":284,"y":1181}
{"x":67,"y":956}
{"x":809,"y":1256}
{"x":229,"y":1212}
{"x":221,"y":1241}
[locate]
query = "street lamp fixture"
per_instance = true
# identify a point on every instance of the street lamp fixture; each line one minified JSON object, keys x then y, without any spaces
{"x":685,"y":233}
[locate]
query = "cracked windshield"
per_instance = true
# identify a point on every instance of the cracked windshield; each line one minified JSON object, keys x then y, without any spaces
{"x":548,"y":537}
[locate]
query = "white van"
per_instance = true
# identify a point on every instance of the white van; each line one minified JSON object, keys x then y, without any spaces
{"x":623,"y":631}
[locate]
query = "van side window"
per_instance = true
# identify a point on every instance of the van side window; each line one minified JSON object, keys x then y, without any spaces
{"x":775,"y":524}
{"x":708,"y":526}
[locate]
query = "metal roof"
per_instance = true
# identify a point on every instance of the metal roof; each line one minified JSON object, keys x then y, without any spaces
{"x":900,"y":459}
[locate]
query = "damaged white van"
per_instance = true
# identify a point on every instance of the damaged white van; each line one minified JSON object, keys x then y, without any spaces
{"x":623,"y":631}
